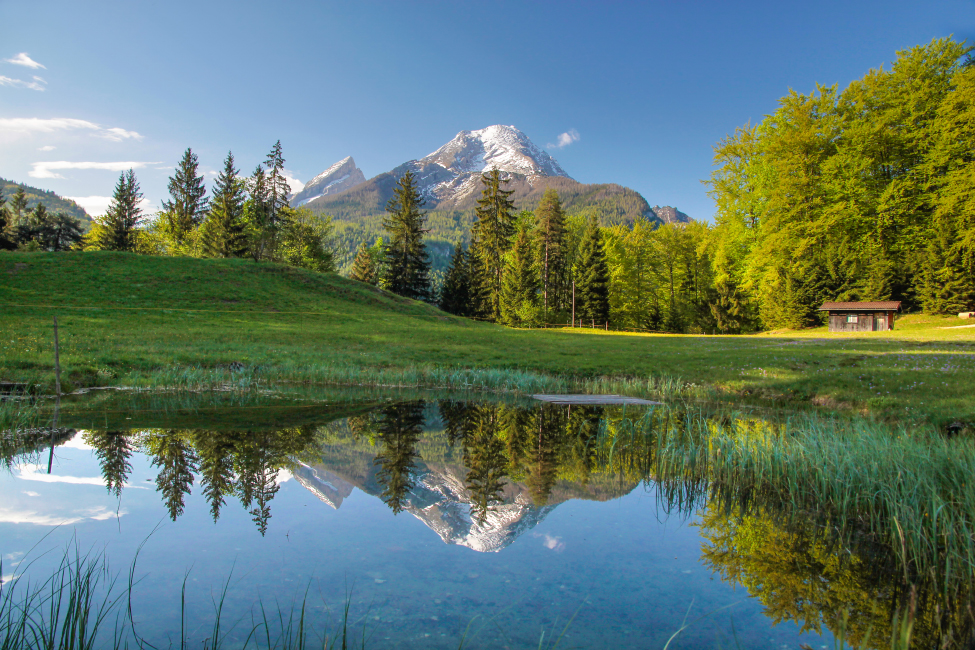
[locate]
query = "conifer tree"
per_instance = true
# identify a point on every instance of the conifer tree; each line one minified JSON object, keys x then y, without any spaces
{"x":399,"y":430}
{"x":116,"y":230}
{"x":187,"y":206}
{"x":257,"y":216}
{"x":6,"y":239}
{"x":592,"y":276}
{"x":278,"y":189}
{"x":18,"y":206}
{"x":551,"y":251}
{"x":491,"y":238}
{"x":519,"y":300}
{"x":407,"y":264}
{"x":223,"y":232}
{"x":363,"y":267}
{"x":455,"y":296}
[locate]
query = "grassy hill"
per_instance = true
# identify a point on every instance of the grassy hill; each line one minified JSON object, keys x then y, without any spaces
{"x":139,"y":320}
{"x":51,"y":201}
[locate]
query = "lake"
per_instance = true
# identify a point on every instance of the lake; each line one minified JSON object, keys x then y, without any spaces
{"x":421,"y":521}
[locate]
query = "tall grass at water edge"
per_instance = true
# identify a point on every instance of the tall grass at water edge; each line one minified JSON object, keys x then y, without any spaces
{"x":419,"y":376}
{"x":911,"y":489}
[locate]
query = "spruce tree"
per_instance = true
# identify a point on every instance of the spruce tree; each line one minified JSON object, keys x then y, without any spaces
{"x":455,"y":295}
{"x":491,"y":237}
{"x":187,"y":206}
{"x":18,"y":206}
{"x":278,"y":189}
{"x":257,"y":217}
{"x":223,"y":232}
{"x":407,"y":265}
{"x":399,"y":430}
{"x":519,"y":296}
{"x":592,"y":283}
{"x":6,"y":238}
{"x":116,"y":230}
{"x":363,"y":267}
{"x":552,"y":254}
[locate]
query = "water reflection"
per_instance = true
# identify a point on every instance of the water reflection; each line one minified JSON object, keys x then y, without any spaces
{"x":482,"y":474}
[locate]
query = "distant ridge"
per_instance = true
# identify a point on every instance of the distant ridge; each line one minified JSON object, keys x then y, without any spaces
{"x":49,"y":199}
{"x":339,"y":177}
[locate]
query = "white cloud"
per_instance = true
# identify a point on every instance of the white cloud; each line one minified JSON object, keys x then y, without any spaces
{"x":8,"y":516}
{"x":294,"y":183}
{"x":24,"y":60}
{"x":565,"y":139}
{"x":30,"y":125}
{"x":32,"y":494}
{"x":37,"y":473}
{"x":96,"y":206}
{"x":49,"y":147}
{"x":47,"y":169}
{"x":37,"y":84}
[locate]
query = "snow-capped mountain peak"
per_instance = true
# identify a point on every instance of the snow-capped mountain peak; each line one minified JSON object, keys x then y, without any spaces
{"x":338,"y":177}
{"x":497,"y":146}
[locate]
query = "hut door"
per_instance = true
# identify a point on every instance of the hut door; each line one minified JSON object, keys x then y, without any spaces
{"x":880,"y":323}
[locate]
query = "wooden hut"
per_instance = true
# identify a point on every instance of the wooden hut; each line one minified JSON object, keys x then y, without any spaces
{"x":861,"y":316}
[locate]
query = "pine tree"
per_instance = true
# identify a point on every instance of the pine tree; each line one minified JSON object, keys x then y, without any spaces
{"x":278,"y":189}
{"x":116,"y":231}
{"x":18,"y":206}
{"x":491,"y":237}
{"x":113,"y":450}
{"x":407,"y":264}
{"x":519,"y":294}
{"x":399,"y":429}
{"x":257,"y":217}
{"x":363,"y":268}
{"x":551,"y":251}
{"x":223,"y":232}
{"x":6,"y":239}
{"x":177,"y":463}
{"x":187,"y":206}
{"x":455,"y":295}
{"x":592,"y":283}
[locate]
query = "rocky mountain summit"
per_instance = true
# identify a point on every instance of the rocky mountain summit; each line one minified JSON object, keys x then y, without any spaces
{"x":668,"y":214}
{"x":339,"y":177}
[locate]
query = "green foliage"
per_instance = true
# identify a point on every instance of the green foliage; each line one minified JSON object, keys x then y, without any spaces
{"x":306,"y":240}
{"x":28,"y":197}
{"x":117,"y":229}
{"x":364,"y":267}
{"x":455,"y":295}
{"x":852,"y":195}
{"x":490,"y":238}
{"x":592,"y":277}
{"x":39,"y":229}
{"x":223,"y":232}
{"x":519,"y":290}
{"x":406,"y":265}
{"x":552,"y":252}
{"x":187,"y":205}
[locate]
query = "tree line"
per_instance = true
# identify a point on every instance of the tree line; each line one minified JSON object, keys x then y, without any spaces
{"x":860,"y":195}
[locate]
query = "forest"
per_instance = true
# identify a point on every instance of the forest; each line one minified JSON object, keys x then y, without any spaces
{"x":860,"y":194}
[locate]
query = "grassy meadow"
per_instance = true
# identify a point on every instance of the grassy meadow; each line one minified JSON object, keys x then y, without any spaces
{"x":127,"y":320}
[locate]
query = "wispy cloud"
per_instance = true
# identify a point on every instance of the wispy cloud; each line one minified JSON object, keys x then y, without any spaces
{"x":564,"y":140}
{"x":48,"y":169}
{"x":24,"y":60}
{"x":49,"y":147}
{"x":295,"y":185}
{"x":36,"y":84}
{"x":29,"y":125}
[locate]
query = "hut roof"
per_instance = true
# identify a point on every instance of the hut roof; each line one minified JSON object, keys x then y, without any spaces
{"x":883,"y":305}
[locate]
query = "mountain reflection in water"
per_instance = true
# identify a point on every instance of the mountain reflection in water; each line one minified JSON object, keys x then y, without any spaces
{"x":482,"y":474}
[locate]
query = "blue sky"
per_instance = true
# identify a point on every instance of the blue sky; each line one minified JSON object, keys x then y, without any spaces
{"x":649,"y":87}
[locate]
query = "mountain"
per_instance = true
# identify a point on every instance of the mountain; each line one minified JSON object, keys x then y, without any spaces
{"x":440,"y":498}
{"x":51,"y":201}
{"x":450,"y":181}
{"x":668,"y":214}
{"x":339,"y":177}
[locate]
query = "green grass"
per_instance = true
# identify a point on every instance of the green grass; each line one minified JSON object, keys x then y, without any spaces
{"x":152,"y":321}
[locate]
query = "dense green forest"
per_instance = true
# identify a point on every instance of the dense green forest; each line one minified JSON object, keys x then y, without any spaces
{"x":862,"y":194}
{"x":48,"y":199}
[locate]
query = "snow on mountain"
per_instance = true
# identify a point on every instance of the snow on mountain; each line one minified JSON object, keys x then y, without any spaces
{"x":341,"y":176}
{"x":453,"y":171}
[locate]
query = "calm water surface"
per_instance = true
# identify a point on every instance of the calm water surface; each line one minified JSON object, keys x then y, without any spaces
{"x":434,"y":519}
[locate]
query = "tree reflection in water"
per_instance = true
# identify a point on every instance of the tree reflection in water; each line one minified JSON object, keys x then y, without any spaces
{"x":800,"y":567}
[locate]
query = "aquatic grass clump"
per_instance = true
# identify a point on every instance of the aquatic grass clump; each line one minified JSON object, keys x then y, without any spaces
{"x":911,"y":489}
